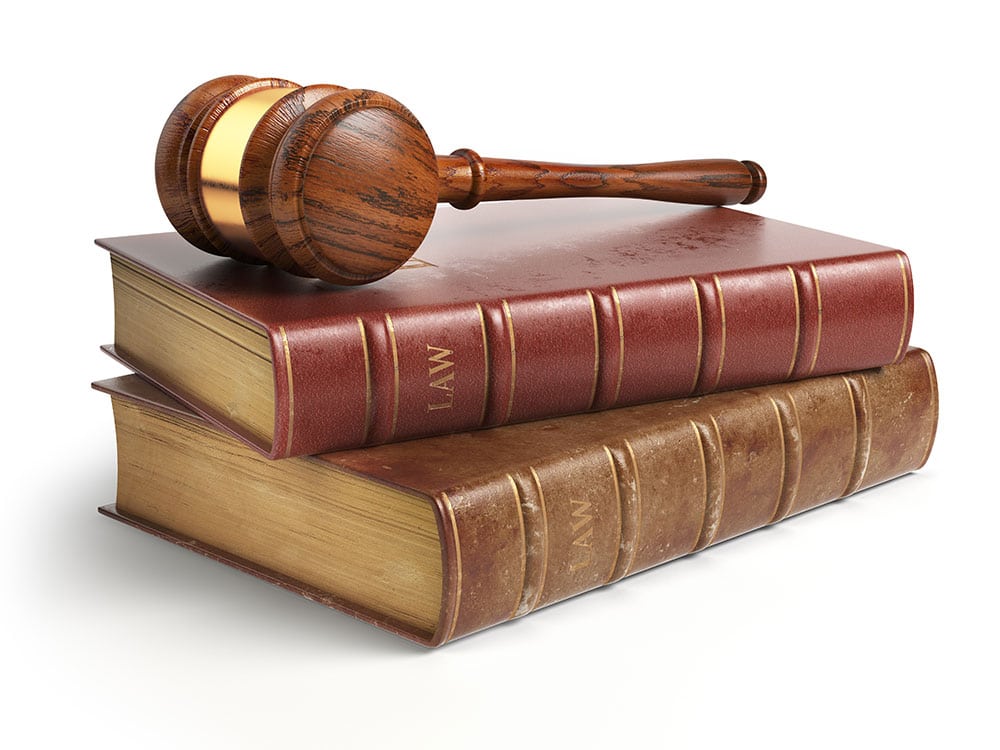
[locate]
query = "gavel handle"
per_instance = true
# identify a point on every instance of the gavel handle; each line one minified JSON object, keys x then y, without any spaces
{"x":465,"y":179}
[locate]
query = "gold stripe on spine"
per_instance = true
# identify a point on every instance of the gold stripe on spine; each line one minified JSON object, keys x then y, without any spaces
{"x":486,"y":364}
{"x":819,"y":317}
{"x":701,"y":333}
{"x":513,"y":360}
{"x":906,"y":307}
{"x":791,"y":434}
{"x":932,"y":384}
{"x":291,"y":389}
{"x":545,"y":539}
{"x":638,"y":507}
{"x":629,"y":495}
{"x":854,"y":416}
{"x":784,"y":460}
{"x":617,"y":303}
{"x":715,"y":496}
{"x":222,"y":159}
{"x":597,"y":349}
{"x":722,"y":313}
{"x":704,"y":480}
{"x":395,"y":374}
{"x":524,"y":546}
{"x":446,"y":502}
{"x":615,"y":481}
{"x":857,"y":386}
{"x":798,"y":322}
{"x":368,"y":383}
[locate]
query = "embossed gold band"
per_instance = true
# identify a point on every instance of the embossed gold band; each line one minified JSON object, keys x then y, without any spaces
{"x":223,"y":157}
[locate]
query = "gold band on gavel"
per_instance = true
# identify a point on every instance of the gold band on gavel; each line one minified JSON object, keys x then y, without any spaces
{"x":222,"y":158}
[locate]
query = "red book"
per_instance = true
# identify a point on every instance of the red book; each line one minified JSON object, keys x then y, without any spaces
{"x":511,"y":313}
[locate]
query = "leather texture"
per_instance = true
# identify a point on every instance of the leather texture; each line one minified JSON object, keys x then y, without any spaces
{"x":532,"y":514}
{"x":520,"y":311}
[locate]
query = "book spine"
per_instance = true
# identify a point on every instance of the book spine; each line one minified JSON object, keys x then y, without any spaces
{"x":704,"y":472}
{"x":387,"y":376}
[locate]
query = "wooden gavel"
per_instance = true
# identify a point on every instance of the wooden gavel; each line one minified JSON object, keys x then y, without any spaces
{"x":342,"y":184}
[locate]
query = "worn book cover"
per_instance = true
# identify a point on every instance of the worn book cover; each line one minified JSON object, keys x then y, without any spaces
{"x":516,"y":312}
{"x":440,"y":537}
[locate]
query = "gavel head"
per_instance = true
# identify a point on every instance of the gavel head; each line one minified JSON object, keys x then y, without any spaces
{"x":339,"y":184}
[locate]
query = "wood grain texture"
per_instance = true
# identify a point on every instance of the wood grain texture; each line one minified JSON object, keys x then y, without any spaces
{"x":342,"y":185}
{"x":467,"y":178}
{"x":354,"y":187}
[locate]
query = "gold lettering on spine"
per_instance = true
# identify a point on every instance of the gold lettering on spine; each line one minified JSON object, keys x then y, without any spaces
{"x":524,"y":545}
{"x":437,"y":361}
{"x":722,"y":313}
{"x":597,"y":348}
{"x":545,"y":539}
{"x":368,"y":382}
{"x":819,"y":317}
{"x":513,"y":360}
{"x":582,"y":527}
{"x":395,"y":374}
{"x":798,"y":322}
{"x":486,"y":364}
{"x":621,"y":343}
{"x":906,"y":307}
{"x":450,"y":513}
{"x":701,"y":333}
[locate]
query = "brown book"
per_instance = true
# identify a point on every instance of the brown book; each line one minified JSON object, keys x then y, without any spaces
{"x":515,"y":312}
{"x":437,"y":538}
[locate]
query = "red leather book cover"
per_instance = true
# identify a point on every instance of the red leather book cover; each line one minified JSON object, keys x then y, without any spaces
{"x":520,"y":311}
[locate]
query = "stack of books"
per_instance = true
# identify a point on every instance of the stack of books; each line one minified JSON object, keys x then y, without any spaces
{"x":548,"y":397}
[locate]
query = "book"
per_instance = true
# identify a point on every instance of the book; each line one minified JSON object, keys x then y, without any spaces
{"x":516,"y":312}
{"x":437,"y":538}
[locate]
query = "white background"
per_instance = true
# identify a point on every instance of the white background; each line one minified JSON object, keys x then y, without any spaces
{"x":871,"y":622}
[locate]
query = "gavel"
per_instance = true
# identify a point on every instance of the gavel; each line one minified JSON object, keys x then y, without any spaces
{"x":342,"y":184}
